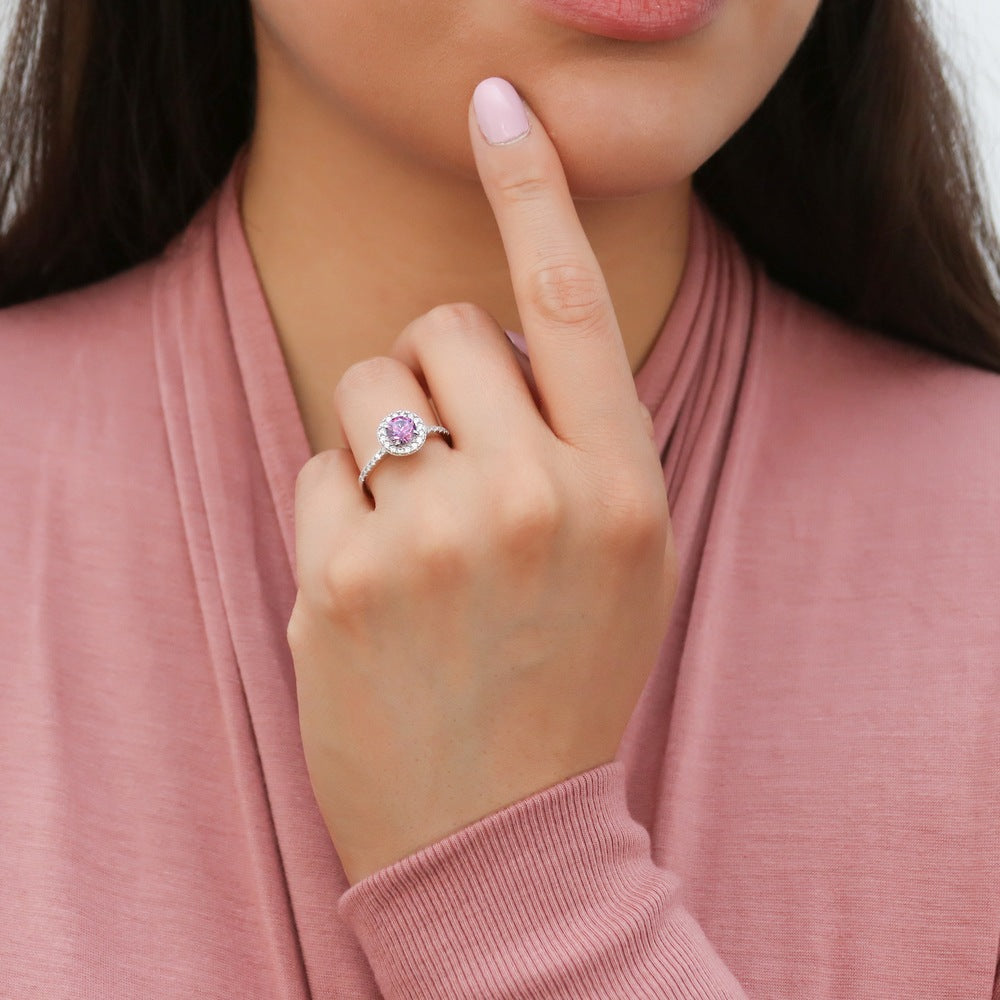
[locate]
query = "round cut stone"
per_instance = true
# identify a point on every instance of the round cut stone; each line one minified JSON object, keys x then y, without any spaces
{"x":401,"y":430}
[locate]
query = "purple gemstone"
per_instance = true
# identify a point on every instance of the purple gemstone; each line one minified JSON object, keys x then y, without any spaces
{"x":401,"y":430}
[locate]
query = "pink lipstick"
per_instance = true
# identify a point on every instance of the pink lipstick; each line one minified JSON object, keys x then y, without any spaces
{"x":630,"y":20}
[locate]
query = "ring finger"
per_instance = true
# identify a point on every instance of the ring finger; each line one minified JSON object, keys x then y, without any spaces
{"x":366,"y":393}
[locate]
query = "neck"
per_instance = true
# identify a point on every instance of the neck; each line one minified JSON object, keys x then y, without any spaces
{"x":353,"y":238}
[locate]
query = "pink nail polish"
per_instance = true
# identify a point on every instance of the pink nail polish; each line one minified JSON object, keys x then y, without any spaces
{"x":499,"y":111}
{"x":517,"y":340}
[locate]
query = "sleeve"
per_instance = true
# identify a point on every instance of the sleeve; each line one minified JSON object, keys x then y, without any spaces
{"x":555,"y":896}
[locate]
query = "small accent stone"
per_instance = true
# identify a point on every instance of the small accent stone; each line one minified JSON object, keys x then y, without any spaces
{"x":401,"y":430}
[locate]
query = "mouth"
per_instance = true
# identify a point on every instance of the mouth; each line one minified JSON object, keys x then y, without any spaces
{"x":630,"y":20}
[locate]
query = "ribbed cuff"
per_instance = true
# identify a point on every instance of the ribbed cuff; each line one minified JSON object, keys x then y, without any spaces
{"x":554,"y":896}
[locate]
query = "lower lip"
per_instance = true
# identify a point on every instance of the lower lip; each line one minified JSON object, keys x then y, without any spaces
{"x":631,"y":20}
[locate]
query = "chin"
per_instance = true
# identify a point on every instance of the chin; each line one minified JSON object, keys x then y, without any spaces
{"x":592,"y":176}
{"x":608,"y":154}
{"x":626,"y":117}
{"x":625,"y":164}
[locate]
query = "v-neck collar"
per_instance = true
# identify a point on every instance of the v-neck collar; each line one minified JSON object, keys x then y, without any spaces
{"x":673,"y":364}
{"x":281,"y":436}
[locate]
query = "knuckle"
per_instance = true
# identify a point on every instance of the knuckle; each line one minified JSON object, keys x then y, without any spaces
{"x":520,"y":185}
{"x":453,"y":316}
{"x":529,"y":516}
{"x":348,"y":589}
{"x":320,"y":465}
{"x":296,"y":631}
{"x":568,"y":294}
{"x":440,"y":554}
{"x":310,"y":472}
{"x":632,"y":515}
{"x":362,"y":375}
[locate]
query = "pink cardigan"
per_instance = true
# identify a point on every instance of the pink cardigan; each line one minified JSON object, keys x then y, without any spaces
{"x":806,"y":803}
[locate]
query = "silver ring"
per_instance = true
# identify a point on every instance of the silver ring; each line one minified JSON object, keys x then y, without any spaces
{"x":401,"y":432}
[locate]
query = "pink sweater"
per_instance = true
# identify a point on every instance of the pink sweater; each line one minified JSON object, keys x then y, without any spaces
{"x":806,"y":803}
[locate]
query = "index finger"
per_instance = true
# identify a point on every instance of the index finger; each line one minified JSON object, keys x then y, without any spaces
{"x":577,"y":355}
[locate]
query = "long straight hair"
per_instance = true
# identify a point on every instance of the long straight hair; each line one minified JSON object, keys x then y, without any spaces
{"x":856,"y":181}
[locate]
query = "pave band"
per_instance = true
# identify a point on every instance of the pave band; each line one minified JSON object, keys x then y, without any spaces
{"x":401,"y":432}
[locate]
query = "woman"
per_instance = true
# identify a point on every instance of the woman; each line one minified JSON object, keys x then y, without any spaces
{"x":532,"y":695}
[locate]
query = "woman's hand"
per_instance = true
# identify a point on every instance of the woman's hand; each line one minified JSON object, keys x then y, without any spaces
{"x":484,"y":631}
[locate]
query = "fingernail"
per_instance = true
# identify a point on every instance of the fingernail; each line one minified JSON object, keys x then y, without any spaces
{"x":517,"y":340}
{"x":499,"y":111}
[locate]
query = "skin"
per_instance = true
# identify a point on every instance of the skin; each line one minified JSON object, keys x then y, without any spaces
{"x":361,"y":201}
{"x":483,"y":629}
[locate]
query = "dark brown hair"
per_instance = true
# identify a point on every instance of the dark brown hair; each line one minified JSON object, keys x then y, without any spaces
{"x":856,"y":181}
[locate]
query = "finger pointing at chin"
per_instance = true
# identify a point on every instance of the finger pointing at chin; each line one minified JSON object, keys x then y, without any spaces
{"x":579,"y":362}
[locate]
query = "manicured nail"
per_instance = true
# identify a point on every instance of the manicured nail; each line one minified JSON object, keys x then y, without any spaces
{"x":517,"y":340}
{"x":499,"y":111}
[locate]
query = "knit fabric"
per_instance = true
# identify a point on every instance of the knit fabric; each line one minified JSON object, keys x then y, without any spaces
{"x":806,"y":801}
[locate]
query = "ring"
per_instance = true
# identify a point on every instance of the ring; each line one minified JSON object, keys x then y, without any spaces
{"x":402,"y":432}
